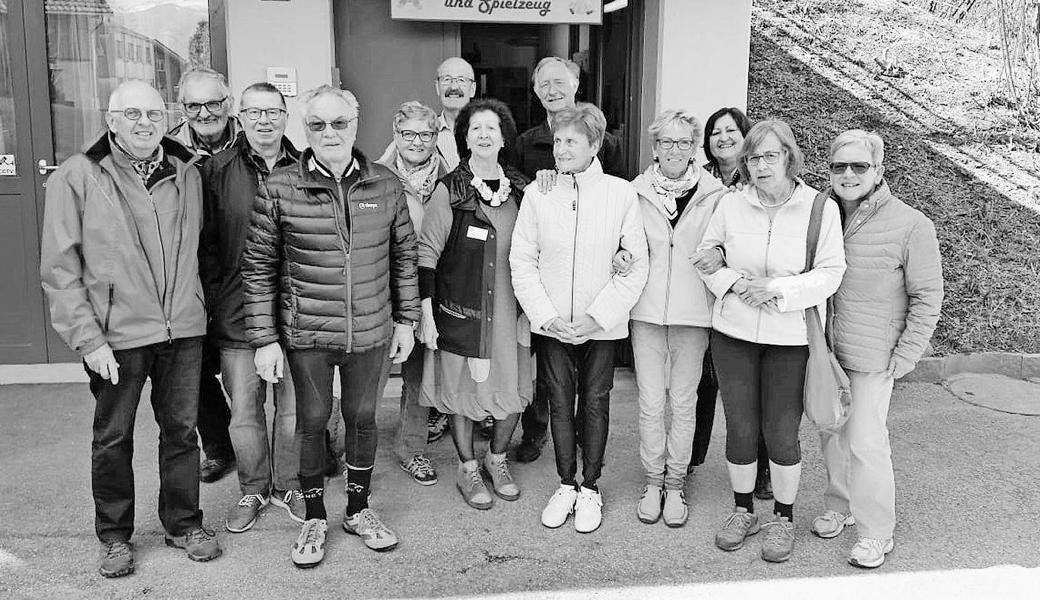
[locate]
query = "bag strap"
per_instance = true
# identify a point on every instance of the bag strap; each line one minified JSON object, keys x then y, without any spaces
{"x":812,"y":239}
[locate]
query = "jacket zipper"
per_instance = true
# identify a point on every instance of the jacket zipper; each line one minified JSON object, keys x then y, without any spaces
{"x":166,"y":278}
{"x":574,"y":249}
{"x":769,"y":240}
{"x":108,"y":312}
{"x":668,"y":282}
{"x":342,"y":202}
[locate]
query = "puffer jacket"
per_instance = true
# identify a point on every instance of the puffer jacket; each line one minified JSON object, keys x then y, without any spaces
{"x":563,"y":249}
{"x":888,"y":304}
{"x":757,"y":247}
{"x":338,"y":279}
{"x":110,"y":274}
{"x":674,"y":292}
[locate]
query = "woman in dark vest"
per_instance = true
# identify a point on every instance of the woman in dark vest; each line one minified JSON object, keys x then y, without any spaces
{"x":470,"y":314}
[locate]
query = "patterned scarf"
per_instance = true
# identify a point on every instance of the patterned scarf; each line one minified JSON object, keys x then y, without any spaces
{"x":670,"y":189}
{"x":422,"y":178}
{"x":144,"y":167}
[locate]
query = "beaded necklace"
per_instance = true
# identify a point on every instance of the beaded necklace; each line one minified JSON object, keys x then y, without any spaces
{"x":495,"y":199}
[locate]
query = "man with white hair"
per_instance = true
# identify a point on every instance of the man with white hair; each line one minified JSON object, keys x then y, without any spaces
{"x":330,"y":275}
{"x":119,"y":266}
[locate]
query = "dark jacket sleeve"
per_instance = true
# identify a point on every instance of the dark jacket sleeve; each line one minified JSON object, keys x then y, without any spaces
{"x":261,"y":263}
{"x":611,"y":156}
{"x":209,"y":239}
{"x":404,"y":278}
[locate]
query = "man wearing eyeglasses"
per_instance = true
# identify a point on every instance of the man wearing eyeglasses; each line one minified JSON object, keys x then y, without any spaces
{"x":267,"y":465}
{"x":330,"y":276}
{"x":119,"y":266}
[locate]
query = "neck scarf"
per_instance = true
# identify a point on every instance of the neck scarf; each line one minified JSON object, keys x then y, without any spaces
{"x":144,"y":167}
{"x":670,"y":189}
{"x":422,"y":177}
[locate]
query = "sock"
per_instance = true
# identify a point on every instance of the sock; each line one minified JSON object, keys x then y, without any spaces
{"x":358,"y":482}
{"x":745,"y":501}
{"x":314,"y":499}
{"x":784,"y":510}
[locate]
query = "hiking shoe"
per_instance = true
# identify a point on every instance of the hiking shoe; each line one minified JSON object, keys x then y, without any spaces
{"x":436,"y":425}
{"x":737,"y":526}
{"x":764,"y":485}
{"x":309,"y":548}
{"x":869,"y":553}
{"x":117,"y":559}
{"x":649,"y":508}
{"x":421,"y":470}
{"x":292,"y":502}
{"x":529,"y":450}
{"x":675,"y":511}
{"x":243,"y":515}
{"x":831,"y":523}
{"x":559,"y":506}
{"x":367,"y":524}
{"x":501,"y":479}
{"x":214,"y":469}
{"x":471,"y":486}
{"x":200,"y":544}
{"x":588,"y":510}
{"x":779,"y":542}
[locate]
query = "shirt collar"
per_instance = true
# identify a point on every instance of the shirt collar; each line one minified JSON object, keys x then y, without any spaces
{"x":442,"y":123}
{"x":313,"y":164}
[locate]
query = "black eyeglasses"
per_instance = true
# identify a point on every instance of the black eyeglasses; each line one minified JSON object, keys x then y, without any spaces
{"x":667,"y":144}
{"x":425,"y":136}
{"x":213,"y":106}
{"x":460,"y":81}
{"x":770,"y":158}
{"x":134,"y":114}
{"x":338,"y":124}
{"x":254,"y":114}
{"x":859,"y":168}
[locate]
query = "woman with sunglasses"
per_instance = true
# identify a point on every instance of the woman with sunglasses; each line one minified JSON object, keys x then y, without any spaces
{"x":469,"y":313}
{"x":884,"y":314}
{"x":759,"y":342}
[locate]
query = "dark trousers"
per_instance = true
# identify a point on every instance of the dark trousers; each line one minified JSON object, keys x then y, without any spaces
{"x":174,"y":371}
{"x":214,"y":413}
{"x":588,"y":370}
{"x":362,"y":376}
{"x":762,"y":387}
{"x":707,"y":392}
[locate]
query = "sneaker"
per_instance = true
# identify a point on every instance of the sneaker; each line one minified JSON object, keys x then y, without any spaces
{"x":675,"y":511}
{"x":214,"y":469}
{"x":869,"y":553}
{"x":367,"y":524}
{"x":117,"y":559}
{"x":200,"y":544}
{"x":243,"y":515}
{"x":292,"y":502}
{"x":588,"y":510}
{"x":421,"y":470}
{"x":501,"y":479}
{"x":529,"y":450}
{"x":309,"y":548}
{"x":649,"y":508}
{"x":764,"y":486}
{"x":737,"y":526}
{"x":471,"y":486}
{"x":436,"y":426}
{"x":559,"y":507}
{"x":779,"y":542}
{"x":831,"y":523}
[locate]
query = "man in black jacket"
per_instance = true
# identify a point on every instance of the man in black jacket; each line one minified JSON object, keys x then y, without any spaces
{"x":330,"y":273}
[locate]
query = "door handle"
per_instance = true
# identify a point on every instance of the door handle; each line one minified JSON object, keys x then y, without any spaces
{"x":44,"y":167}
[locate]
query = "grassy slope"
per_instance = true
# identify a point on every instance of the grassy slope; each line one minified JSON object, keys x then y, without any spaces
{"x":990,"y":246}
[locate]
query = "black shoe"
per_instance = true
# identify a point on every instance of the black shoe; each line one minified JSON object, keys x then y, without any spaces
{"x":763,"y":486}
{"x":214,"y":469}
{"x":485,"y":428}
{"x":529,"y":450}
{"x":436,"y":426}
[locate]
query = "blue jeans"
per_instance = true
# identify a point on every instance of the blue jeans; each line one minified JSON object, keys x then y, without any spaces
{"x":174,"y":371}
{"x":258,"y":465}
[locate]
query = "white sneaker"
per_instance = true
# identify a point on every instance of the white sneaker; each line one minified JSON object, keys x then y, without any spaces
{"x":869,"y":553}
{"x":309,"y":549}
{"x":588,"y":511}
{"x":831,"y":523}
{"x":559,"y":507}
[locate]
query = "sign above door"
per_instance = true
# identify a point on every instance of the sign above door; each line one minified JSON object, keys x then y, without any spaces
{"x":500,"y":11}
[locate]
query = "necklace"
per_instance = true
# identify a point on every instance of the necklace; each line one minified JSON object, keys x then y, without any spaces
{"x":782,"y":202}
{"x":495,"y":199}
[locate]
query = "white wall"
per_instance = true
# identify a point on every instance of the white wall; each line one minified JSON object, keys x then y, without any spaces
{"x":293,"y":33}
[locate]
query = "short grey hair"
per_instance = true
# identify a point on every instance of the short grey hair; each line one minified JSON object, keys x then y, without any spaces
{"x":572,"y":68}
{"x":115,"y":100}
{"x":867,"y":139}
{"x":584,"y":117}
{"x":416,"y":110}
{"x":328,"y":90}
{"x":202,"y":73}
{"x":680,"y":117}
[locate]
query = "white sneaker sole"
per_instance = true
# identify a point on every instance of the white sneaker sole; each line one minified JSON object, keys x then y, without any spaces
{"x":875,"y":563}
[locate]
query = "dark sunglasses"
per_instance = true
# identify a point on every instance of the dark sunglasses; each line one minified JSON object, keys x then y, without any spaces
{"x":134,"y":114}
{"x":859,"y":168}
{"x":338,"y":124}
{"x":213,"y":106}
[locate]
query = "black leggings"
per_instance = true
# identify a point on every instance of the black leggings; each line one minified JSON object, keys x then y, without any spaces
{"x":762,"y":389}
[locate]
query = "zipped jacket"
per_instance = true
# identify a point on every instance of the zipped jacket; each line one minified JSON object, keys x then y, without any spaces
{"x":756,"y":246}
{"x":563,"y":248}
{"x":119,"y":261}
{"x":674,"y":293}
{"x":318,"y":277}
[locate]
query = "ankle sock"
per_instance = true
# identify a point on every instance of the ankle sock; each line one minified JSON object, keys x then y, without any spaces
{"x":314,"y":499}
{"x":745,"y":501}
{"x":358,"y":482}
{"x":784,"y":510}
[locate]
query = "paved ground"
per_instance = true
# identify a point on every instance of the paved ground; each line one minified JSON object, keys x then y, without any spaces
{"x":967,"y":476}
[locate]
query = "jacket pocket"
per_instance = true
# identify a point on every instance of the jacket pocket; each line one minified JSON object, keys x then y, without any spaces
{"x":111,"y":301}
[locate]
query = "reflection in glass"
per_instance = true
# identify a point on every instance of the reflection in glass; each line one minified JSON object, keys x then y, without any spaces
{"x":7,"y":131}
{"x":94,"y":45}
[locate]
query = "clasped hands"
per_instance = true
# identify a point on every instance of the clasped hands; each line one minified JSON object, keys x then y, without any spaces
{"x":575,"y":332}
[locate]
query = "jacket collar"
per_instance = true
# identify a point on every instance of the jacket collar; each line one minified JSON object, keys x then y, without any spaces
{"x":314,"y":178}
{"x":101,"y":147}
{"x":802,"y":192}
{"x":591,"y":174}
{"x":868,"y":207}
{"x":246,"y":151}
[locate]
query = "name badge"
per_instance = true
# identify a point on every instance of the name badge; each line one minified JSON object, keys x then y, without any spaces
{"x":477,"y":233}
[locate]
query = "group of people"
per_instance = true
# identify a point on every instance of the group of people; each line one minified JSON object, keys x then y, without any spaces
{"x":498,"y":269}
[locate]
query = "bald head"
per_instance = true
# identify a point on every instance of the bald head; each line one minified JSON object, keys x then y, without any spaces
{"x":455,"y":84}
{"x":132,"y":94}
{"x":136,"y":117}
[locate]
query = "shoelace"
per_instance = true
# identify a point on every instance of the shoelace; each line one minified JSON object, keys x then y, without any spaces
{"x":777,"y":531}
{"x":475,"y":479}
{"x":199,"y":536}
{"x":743,"y":517}
{"x":251,"y":499}
{"x":370,"y":522}
{"x":117,"y":549}
{"x":834,"y":517}
{"x":310,"y":532}
{"x":422,"y":464}
{"x":503,"y":469}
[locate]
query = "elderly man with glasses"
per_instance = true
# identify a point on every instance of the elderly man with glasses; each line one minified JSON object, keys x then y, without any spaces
{"x":119,"y":266}
{"x":330,"y":276}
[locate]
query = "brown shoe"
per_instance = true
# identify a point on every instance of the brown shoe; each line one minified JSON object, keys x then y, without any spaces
{"x":117,"y":559}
